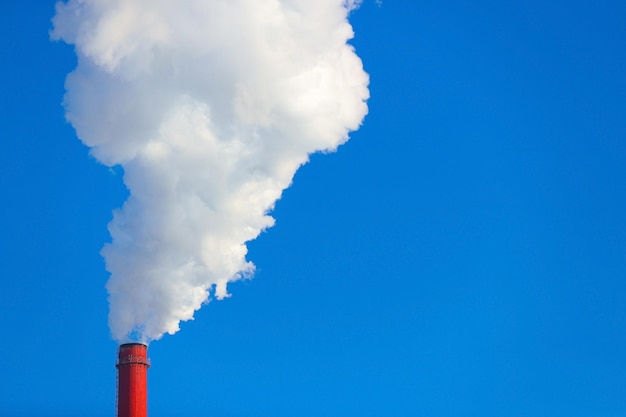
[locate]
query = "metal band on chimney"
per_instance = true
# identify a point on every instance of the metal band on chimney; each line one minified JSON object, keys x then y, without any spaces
{"x":133,"y":359}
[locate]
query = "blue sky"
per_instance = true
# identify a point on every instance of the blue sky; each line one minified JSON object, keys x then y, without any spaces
{"x":462,"y":255}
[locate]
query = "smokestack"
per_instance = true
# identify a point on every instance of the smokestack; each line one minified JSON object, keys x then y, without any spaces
{"x":132,"y":380}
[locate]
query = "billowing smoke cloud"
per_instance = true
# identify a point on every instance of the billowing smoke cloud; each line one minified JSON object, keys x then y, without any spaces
{"x":210,"y":107}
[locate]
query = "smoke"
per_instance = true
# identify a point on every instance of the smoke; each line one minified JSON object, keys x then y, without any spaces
{"x":210,"y":107}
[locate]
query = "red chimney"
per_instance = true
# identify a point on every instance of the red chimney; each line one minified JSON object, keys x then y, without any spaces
{"x":132,"y":387}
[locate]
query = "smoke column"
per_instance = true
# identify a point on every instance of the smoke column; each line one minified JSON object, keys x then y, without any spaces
{"x":210,"y":107}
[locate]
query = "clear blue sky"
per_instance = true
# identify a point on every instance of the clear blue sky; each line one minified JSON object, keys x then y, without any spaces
{"x":463,"y":255}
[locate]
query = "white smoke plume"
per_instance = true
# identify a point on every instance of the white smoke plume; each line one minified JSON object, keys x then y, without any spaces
{"x":210,"y":107}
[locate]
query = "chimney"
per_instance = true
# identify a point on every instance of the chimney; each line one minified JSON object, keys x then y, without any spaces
{"x":132,"y":387}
